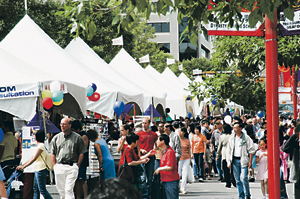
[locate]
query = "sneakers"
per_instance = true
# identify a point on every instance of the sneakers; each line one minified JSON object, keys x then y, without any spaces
{"x":216,"y":175}
{"x":183,"y":192}
{"x":201,"y":180}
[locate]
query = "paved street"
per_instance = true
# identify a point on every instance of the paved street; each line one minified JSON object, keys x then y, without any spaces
{"x":209,"y":189}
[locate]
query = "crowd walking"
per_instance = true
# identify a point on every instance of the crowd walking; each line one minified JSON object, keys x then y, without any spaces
{"x":164,"y":157}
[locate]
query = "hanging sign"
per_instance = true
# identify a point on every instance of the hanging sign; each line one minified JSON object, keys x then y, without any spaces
{"x":244,"y":27}
{"x":289,"y":27}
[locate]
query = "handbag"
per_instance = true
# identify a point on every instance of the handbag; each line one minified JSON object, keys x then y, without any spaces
{"x":125,"y":170}
{"x":48,"y":161}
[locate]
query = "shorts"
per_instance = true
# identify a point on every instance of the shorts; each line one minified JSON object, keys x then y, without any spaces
{"x":208,"y":156}
{"x":2,"y":176}
{"x":82,"y":173}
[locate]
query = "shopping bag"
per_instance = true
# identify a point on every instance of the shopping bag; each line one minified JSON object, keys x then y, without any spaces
{"x":190,"y":176}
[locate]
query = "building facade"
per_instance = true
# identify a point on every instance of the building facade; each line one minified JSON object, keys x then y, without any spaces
{"x":168,"y":33}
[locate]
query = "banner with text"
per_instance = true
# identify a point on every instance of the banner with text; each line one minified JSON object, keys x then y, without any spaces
{"x":289,"y":27}
{"x":244,"y":26}
{"x":18,"y":91}
{"x":284,"y":79}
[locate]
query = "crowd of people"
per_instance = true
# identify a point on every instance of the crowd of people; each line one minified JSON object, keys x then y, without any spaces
{"x":162,"y":156}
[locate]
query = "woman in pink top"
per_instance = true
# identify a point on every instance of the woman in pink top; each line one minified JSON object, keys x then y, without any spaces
{"x":185,"y":159}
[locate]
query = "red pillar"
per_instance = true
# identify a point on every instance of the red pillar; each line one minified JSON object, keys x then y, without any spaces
{"x":294,"y":91}
{"x":272,"y":107}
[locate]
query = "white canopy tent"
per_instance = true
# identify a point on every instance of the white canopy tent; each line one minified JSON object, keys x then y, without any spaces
{"x":127,"y":66}
{"x":176,"y":104}
{"x":30,"y":43}
{"x":184,"y":79}
{"x":20,"y":89}
{"x":82,"y":52}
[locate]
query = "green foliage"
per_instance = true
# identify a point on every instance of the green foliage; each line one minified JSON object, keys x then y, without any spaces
{"x":195,"y":63}
{"x":198,"y":11}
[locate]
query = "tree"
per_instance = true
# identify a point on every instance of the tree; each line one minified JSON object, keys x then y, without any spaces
{"x":198,"y":11}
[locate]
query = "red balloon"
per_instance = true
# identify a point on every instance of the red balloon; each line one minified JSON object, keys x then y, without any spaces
{"x":47,"y":102}
{"x":95,"y":97}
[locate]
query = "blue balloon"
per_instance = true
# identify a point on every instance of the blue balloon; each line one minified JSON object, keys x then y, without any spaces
{"x":57,"y":96}
{"x":189,"y":114}
{"x":89,"y":91}
{"x":260,"y":114}
{"x":1,"y":135}
{"x":93,"y":86}
{"x":214,"y":101}
{"x":188,"y":98}
{"x":119,"y":107}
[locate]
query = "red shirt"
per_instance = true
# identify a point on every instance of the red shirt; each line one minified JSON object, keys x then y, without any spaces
{"x":130,"y":156}
{"x":147,"y":140}
{"x":168,"y":158}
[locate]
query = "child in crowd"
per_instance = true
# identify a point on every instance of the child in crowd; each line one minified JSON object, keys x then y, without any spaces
{"x":262,"y":174}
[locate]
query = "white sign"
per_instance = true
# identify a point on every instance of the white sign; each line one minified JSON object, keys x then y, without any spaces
{"x":18,"y":91}
{"x":243,"y":26}
{"x":170,"y":61}
{"x":144,"y":59}
{"x":118,"y":41}
{"x":289,"y":27}
{"x":29,"y":145}
{"x":180,"y":67}
{"x":196,"y":72}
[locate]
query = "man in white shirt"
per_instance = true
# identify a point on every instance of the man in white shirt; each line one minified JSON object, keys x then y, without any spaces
{"x":239,"y":154}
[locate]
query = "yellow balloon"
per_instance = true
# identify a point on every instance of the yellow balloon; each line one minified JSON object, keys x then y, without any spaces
{"x":58,"y":103}
{"x":46,"y":93}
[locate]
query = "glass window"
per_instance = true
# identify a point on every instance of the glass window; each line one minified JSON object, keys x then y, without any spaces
{"x":160,"y":27}
{"x":165,"y":47}
{"x":204,"y":52}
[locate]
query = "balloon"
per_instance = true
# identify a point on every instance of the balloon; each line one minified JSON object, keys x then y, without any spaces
{"x":119,"y":107}
{"x":55,"y":86}
{"x":58,"y":103}
{"x":260,"y":114}
{"x":94,"y":97}
{"x":46,"y":93}
{"x":1,"y":135}
{"x":168,"y":110}
{"x":89,"y":91}
{"x":189,"y":114}
{"x":47,"y":102}
{"x":57,"y":96}
{"x":93,"y":86}
{"x":214,"y":101}
{"x":188,"y":98}
{"x":227,"y":119}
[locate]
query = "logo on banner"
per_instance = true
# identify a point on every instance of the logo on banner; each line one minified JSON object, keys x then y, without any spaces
{"x":8,"y":92}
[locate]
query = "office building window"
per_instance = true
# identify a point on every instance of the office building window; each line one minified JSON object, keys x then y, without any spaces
{"x":165,"y":47}
{"x":187,"y":50}
{"x":160,"y":27}
{"x":204,"y":52}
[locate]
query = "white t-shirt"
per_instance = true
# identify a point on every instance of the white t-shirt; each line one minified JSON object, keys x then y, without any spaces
{"x":39,"y":164}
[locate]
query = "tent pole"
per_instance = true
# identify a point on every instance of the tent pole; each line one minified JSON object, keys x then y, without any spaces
{"x":40,"y":107}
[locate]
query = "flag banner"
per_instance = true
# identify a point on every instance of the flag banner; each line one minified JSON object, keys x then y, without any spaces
{"x":298,"y":81}
{"x":284,"y":79}
{"x":196,"y":72}
{"x":180,"y":67}
{"x":244,"y":27}
{"x":170,"y":61}
{"x":144,"y":59}
{"x":289,"y":27}
{"x":118,"y":41}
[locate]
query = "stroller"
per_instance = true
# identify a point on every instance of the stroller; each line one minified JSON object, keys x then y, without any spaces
{"x":14,"y":187}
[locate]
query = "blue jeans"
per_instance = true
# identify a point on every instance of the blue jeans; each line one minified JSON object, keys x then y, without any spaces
{"x":170,"y":189}
{"x":147,"y":177}
{"x":199,"y":163}
{"x":39,"y":185}
{"x":196,"y":172}
{"x":218,"y":164}
{"x":241,"y":177}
